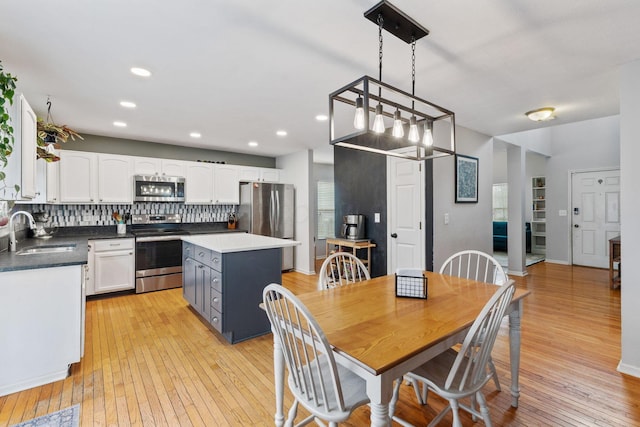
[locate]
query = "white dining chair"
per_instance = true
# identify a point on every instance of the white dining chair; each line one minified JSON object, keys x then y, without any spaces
{"x":477,"y":265}
{"x":455,"y":375}
{"x":328,"y":391}
{"x":341,"y":268}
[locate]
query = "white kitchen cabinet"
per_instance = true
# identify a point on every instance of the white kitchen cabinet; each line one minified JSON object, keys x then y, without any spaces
{"x":252,"y":173}
{"x":154,"y":166}
{"x":21,"y":167}
{"x":174,"y":167}
{"x":78,"y":178}
{"x":52,"y":171}
{"x":115,"y":178}
{"x":41,"y":313}
{"x":199,"y":183}
{"x":111,"y":266}
{"x":226,"y":184}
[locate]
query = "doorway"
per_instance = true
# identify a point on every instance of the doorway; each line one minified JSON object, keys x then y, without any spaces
{"x":406,"y":214}
{"x":595,"y":215}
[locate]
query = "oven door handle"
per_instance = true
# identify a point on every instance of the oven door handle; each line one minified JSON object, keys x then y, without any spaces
{"x":160,"y":238}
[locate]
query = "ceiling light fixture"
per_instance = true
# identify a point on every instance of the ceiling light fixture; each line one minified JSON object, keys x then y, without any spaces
{"x":252,"y":144}
{"x":322,"y":117}
{"x":541,"y":114}
{"x":127,"y":104}
{"x":373,"y":136}
{"x":142,"y":72}
{"x":195,"y":135}
{"x":120,"y":124}
{"x":281,"y":133}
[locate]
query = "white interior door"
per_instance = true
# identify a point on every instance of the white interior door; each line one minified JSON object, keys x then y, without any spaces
{"x":595,"y":215}
{"x":405,"y":214}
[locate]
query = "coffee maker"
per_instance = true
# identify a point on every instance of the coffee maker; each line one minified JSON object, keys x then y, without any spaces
{"x":353,"y":227}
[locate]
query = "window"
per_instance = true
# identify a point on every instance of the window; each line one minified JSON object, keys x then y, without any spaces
{"x":500,"y":202}
{"x":326,"y":212}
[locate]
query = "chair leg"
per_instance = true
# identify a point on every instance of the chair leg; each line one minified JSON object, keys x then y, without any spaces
{"x":439,"y":417}
{"x":494,"y":374}
{"x":416,"y":388}
{"x":456,"y":413}
{"x":291,"y":416}
{"x":484,"y":410}
{"x":394,"y":397}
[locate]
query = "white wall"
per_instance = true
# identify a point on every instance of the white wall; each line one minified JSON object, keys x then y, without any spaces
{"x":470,"y":224}
{"x":297,"y":168}
{"x":582,"y":145}
{"x":630,"y":206}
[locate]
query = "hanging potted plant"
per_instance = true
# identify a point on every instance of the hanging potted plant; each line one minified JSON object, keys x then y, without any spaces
{"x":7,"y":90}
{"x":50,"y":135}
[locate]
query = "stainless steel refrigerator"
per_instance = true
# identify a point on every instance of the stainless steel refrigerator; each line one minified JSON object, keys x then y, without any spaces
{"x":268,"y":209}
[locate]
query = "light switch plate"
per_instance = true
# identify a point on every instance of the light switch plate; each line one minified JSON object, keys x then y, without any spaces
{"x":376,"y":217}
{"x":562,"y":212}
{"x":446,"y":219}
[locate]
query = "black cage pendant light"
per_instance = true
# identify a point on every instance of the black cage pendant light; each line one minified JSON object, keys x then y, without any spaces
{"x":359,"y":112}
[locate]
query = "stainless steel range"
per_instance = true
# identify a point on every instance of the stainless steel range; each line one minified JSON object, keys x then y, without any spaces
{"x":158,"y":251}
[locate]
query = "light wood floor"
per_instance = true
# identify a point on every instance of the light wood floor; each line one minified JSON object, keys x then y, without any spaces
{"x":150,"y":361}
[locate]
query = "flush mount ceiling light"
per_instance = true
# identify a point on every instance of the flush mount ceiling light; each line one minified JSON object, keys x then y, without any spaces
{"x":252,"y":144}
{"x":195,"y":135}
{"x":357,"y":111}
{"x":120,"y":124}
{"x":142,"y":72}
{"x":127,"y":104}
{"x":541,"y":114}
{"x":281,"y":133}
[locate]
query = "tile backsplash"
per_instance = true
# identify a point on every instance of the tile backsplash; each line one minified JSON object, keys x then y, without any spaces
{"x":91,"y":215}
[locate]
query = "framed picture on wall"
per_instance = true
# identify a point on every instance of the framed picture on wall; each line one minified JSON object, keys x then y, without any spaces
{"x":466,"y":179}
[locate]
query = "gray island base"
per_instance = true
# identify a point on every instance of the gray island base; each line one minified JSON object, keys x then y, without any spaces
{"x":223,"y":279}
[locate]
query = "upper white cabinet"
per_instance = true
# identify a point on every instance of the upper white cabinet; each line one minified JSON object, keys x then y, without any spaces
{"x":78,"y":177}
{"x":252,"y":173}
{"x":226,"y":184}
{"x":21,"y":166}
{"x":199,"y":183}
{"x":115,"y":178}
{"x":95,"y":178}
{"x":153,"y":166}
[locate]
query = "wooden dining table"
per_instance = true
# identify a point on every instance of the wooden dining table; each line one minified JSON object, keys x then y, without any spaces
{"x":380,"y":336}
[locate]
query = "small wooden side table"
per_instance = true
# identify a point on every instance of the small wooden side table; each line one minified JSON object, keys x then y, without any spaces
{"x":355,"y":245}
{"x":614,"y":256}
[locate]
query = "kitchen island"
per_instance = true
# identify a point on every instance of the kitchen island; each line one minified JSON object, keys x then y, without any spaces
{"x":223,"y":276}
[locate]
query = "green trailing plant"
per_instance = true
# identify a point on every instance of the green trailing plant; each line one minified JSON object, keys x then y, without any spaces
{"x":7,"y":90}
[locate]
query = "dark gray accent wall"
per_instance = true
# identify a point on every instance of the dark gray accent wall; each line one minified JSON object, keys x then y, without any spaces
{"x":104,"y":144}
{"x":361,"y":188}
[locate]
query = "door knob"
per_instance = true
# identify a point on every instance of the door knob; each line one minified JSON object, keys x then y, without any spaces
{"x":576,"y":226}
{"x":394,"y":235}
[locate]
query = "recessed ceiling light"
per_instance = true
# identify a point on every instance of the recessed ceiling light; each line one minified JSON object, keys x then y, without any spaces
{"x":195,"y":134}
{"x":253,"y":144}
{"x":140,"y":72}
{"x":541,"y":114}
{"x":120,"y":124}
{"x":128,"y":104}
{"x":321,"y":118}
{"x":281,"y":133}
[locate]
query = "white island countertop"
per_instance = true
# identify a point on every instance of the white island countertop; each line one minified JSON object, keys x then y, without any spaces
{"x":238,"y":242}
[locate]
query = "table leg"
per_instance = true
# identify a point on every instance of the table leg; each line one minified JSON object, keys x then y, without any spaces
{"x":278,"y":370}
{"x":379,"y":393}
{"x":514,"y":352}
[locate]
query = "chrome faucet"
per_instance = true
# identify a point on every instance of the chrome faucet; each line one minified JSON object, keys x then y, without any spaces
{"x":12,"y":234}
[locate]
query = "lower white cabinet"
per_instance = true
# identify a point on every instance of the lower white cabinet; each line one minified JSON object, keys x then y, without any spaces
{"x":111,"y":266}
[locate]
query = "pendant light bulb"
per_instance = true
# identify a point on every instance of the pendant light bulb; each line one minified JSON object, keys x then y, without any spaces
{"x":398,"y":129}
{"x":414,"y":136}
{"x":378,"y":122}
{"x":427,"y":139}
{"x":358,"y":120}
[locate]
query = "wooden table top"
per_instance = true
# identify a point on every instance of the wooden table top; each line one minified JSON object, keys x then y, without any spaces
{"x":369,"y":323}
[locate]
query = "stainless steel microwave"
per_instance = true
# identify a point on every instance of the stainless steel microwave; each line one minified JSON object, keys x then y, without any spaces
{"x":158,"y":188}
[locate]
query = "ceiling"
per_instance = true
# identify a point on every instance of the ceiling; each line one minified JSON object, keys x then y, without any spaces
{"x":238,"y":71}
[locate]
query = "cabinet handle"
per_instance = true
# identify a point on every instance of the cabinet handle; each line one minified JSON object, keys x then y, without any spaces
{"x":216,"y":260}
{"x":200,"y":266}
{"x":215,"y":280}
{"x":214,"y":320}
{"x":201,"y":254}
{"x":130,"y":253}
{"x":215,"y":299}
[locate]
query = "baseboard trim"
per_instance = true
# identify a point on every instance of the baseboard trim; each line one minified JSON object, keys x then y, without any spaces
{"x":517,"y":273}
{"x":307,"y":272}
{"x":556,"y":261}
{"x":629,"y":369}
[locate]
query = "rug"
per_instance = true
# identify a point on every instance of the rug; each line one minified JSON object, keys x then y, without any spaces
{"x":68,"y":417}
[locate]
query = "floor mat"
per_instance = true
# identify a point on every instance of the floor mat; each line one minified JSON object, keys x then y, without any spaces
{"x":68,"y":417}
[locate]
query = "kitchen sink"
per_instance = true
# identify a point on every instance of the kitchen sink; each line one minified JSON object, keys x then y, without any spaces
{"x":49,"y":249}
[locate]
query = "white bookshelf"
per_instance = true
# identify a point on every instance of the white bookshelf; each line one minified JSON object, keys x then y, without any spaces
{"x":538,"y":215}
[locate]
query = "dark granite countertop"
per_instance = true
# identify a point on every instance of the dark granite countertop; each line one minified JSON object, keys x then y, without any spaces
{"x":79,"y":236}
